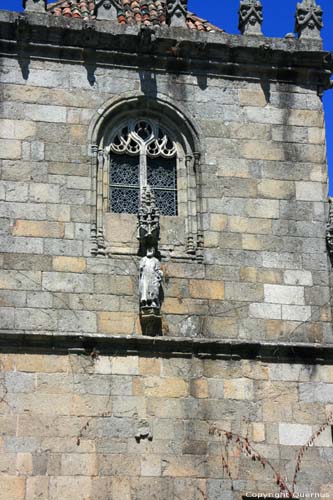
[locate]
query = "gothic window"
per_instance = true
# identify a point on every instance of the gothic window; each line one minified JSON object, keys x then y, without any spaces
{"x":141,"y":152}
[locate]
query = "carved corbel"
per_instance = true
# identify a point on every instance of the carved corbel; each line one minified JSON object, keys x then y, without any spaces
{"x":250,"y":17}
{"x":309,"y":20}
{"x":35,"y":5}
{"x":176,"y":12}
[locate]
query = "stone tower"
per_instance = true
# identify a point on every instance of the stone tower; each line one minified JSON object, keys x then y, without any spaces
{"x":165,"y":306}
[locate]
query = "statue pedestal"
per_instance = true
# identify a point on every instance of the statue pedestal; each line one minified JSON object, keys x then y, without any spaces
{"x":151,"y":321}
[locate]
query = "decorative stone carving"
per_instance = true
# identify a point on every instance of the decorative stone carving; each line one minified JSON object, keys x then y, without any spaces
{"x":34,"y":5}
{"x":177,"y":12}
{"x":309,"y":19}
{"x":329,"y":230}
{"x":150,"y":281}
{"x":150,"y":290}
{"x":250,"y":17}
{"x":148,"y":221}
{"x":107,"y":9}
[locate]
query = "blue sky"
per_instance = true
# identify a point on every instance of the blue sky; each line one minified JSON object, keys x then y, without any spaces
{"x":278,"y":20}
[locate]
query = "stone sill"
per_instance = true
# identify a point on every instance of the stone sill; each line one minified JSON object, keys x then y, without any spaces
{"x":62,"y":343}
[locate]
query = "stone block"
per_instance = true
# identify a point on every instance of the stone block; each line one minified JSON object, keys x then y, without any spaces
{"x":68,"y":282}
{"x":263,"y":150}
{"x":238,"y":389}
{"x":284,"y":294}
{"x":294,"y":434}
{"x":151,"y":466}
{"x":118,"y":285}
{"x":35,"y":319}
{"x":296,"y":313}
{"x":76,"y":321}
{"x":42,"y":113}
{"x":199,"y":388}
{"x":149,"y":366}
{"x":316,"y":135}
{"x":41,"y":229}
{"x":166,"y":387}
{"x":78,"y":464}
{"x":303,"y":278}
{"x":20,"y":382}
{"x":122,"y":365}
{"x":249,"y":225}
{"x":12,"y":488}
{"x":68,"y":488}
{"x":252,"y":97}
{"x":311,"y":191}
{"x":217,"y":222}
{"x":280,"y":190}
{"x":69,"y":264}
{"x":316,"y":393}
{"x":117,"y":323}
{"x":24,"y":464}
{"x":249,"y":292}
{"x":220,"y":327}
{"x":10,"y":149}
{"x":204,"y":289}
{"x":44,"y":193}
{"x":265,"y":311}
{"x":185,"y":306}
{"x":216,"y":388}
{"x":258,"y":432}
{"x":7,"y":316}
{"x":37,"y":487}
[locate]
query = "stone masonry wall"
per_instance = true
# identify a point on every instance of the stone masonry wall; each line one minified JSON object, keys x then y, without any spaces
{"x":123,"y":428}
{"x":265,"y":273}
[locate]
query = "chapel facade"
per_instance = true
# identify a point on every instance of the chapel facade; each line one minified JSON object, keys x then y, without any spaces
{"x":165,"y":260}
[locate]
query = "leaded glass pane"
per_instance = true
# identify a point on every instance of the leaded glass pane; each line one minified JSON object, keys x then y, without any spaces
{"x":166,"y":201}
{"x":161,"y":173}
{"x":124,"y":169}
{"x":124,"y":200}
{"x":124,"y":184}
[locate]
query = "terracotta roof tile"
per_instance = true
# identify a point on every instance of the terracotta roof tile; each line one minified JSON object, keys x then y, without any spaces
{"x":147,"y":12}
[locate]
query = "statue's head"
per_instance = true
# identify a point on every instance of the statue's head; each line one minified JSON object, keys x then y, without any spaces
{"x":150,"y":252}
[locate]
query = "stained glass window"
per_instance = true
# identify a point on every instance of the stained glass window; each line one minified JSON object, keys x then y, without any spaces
{"x":162,"y":178}
{"x":142,"y":152}
{"x":124,"y":184}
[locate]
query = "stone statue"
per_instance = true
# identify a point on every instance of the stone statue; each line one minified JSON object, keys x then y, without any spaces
{"x":309,"y":19}
{"x":150,"y":278}
{"x":150,"y":281}
{"x":250,"y":17}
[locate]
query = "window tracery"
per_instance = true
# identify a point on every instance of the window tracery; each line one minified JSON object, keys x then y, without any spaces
{"x":142,"y":153}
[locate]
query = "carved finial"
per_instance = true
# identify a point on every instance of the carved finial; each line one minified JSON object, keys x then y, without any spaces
{"x":309,"y":19}
{"x":34,"y":5}
{"x":329,"y":230}
{"x":250,"y":17}
{"x":107,"y":9}
{"x":148,"y":221}
{"x":176,"y":12}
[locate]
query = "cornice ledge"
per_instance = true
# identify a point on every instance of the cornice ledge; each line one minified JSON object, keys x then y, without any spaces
{"x":227,"y":349}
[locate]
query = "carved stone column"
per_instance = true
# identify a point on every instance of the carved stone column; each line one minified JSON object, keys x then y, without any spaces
{"x":176,"y":12}
{"x":250,"y":17}
{"x":309,"y":20}
{"x":34,"y":5}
